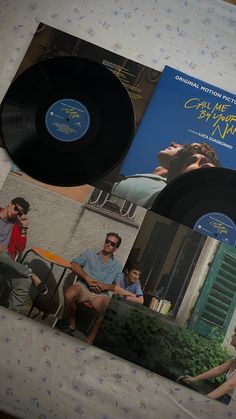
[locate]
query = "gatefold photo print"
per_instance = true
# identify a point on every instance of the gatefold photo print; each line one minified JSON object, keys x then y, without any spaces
{"x":179,"y":319}
{"x":57,"y":253}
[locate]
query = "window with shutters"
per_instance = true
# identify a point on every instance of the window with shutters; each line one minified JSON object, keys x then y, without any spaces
{"x":222,"y":293}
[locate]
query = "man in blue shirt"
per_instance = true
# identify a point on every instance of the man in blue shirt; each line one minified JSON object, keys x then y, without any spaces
{"x":97,"y":271}
{"x":129,"y":281}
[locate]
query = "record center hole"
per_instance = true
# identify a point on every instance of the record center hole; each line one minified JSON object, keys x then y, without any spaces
{"x":215,"y":234}
{"x":67,"y":119}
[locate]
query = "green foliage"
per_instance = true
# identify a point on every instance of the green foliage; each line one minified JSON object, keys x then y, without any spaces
{"x":157,"y":344}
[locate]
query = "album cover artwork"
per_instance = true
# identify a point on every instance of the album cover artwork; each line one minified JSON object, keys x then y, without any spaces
{"x":188,"y":124}
{"x":47,"y":46}
{"x":185,"y":324}
{"x":170,"y":307}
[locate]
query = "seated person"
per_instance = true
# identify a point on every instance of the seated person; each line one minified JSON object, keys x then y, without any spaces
{"x":97,"y":271}
{"x":13,"y":226}
{"x":129,"y":281}
{"x":18,"y":278}
{"x":13,"y":236}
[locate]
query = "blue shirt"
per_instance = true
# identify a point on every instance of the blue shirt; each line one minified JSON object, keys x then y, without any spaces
{"x":135,"y":287}
{"x":92,"y":263}
{"x":5,"y":232}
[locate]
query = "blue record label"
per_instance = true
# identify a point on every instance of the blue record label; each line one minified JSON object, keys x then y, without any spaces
{"x":218,"y":226}
{"x":67,"y":120}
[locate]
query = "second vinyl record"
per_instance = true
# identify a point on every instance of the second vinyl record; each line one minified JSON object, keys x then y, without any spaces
{"x":204,"y":200}
{"x":67,"y":121}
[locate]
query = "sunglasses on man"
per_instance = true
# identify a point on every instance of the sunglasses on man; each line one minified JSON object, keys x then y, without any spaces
{"x":113,"y":244}
{"x":18,"y":210}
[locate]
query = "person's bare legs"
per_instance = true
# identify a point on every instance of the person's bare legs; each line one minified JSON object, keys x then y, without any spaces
{"x":35,"y":279}
{"x":40,"y":286}
{"x":77,"y":294}
{"x":73,"y":296}
{"x":100,"y":304}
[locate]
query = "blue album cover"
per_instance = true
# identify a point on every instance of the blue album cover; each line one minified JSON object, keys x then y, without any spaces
{"x":188,"y":124}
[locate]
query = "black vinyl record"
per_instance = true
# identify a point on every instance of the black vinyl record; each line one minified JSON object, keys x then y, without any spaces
{"x":204,"y":200}
{"x":67,"y":121}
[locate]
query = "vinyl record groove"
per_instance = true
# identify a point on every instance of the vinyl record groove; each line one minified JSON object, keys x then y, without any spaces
{"x":67,"y":121}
